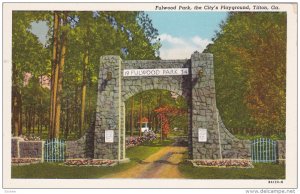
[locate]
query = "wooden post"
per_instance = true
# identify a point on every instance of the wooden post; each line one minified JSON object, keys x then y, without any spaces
{"x":124,"y":132}
{"x":131,"y":117}
{"x":140,"y":119}
{"x":161,"y":133}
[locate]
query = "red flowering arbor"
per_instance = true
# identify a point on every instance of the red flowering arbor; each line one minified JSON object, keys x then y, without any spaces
{"x":164,"y":113}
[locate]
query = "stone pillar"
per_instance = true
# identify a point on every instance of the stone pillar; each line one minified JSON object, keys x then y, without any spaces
{"x":109,"y":109}
{"x":204,"y":114}
{"x":281,"y":150}
{"x":15,"y":150}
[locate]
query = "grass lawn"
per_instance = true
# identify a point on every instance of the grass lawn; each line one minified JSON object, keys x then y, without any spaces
{"x":260,"y":171}
{"x":58,"y":170}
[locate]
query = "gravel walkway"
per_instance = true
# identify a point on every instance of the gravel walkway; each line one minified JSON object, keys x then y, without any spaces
{"x":162,"y":164}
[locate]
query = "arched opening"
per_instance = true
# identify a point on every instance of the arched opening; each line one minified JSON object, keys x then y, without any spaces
{"x":158,"y":116}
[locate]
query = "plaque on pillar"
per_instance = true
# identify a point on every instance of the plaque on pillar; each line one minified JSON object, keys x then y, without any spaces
{"x":109,"y":136}
{"x":202,"y":135}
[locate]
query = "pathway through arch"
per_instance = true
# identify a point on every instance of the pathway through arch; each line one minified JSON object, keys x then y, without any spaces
{"x":162,"y":164}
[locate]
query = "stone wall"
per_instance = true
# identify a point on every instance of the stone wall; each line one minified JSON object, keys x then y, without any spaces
{"x":83,"y":147}
{"x":27,"y":149}
{"x":75,"y":149}
{"x":281,"y":150}
{"x":31,"y":149}
{"x":231,"y":147}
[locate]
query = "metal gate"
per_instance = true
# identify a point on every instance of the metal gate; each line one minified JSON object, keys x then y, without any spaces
{"x":264,"y":150}
{"x":54,"y":150}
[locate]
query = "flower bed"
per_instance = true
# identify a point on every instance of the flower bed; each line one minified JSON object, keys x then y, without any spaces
{"x":227,"y":163}
{"x":30,"y":138}
{"x":25,"y":161}
{"x":89,"y":162}
{"x":134,"y":141}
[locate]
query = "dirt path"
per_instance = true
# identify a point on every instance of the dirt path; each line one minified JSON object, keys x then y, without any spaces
{"x":162,"y":164}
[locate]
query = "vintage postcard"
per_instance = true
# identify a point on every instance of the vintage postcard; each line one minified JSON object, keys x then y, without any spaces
{"x":150,"y":95}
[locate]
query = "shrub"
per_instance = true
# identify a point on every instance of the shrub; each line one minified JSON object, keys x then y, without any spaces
{"x":134,"y":141}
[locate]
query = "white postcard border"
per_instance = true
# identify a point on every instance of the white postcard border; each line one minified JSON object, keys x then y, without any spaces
{"x":291,"y":134}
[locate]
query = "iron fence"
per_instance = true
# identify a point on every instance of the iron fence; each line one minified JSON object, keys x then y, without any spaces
{"x":264,"y":150}
{"x":54,"y":150}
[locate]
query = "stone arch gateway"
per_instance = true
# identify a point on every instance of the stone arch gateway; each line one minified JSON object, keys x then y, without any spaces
{"x":192,"y":78}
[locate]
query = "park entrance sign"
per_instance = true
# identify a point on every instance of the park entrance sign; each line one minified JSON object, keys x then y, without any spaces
{"x":155,"y":72}
{"x":191,"y":78}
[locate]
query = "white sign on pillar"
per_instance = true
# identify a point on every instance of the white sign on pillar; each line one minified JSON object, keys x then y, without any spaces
{"x":109,"y":136}
{"x":202,"y":135}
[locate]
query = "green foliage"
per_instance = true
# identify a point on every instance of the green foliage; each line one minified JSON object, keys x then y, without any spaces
{"x":98,"y":34}
{"x":279,"y":136}
{"x":28,"y":54}
{"x":39,"y":101}
{"x":130,"y":35}
{"x":250,"y":69}
{"x":29,"y":59}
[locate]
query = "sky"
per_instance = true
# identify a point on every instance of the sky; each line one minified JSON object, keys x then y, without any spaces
{"x":181,"y":33}
{"x":40,"y":29}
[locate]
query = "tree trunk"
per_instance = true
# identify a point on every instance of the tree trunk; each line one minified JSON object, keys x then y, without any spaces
{"x":74,"y":113}
{"x":41,"y":118}
{"x":67,"y":121}
{"x":54,"y":75}
{"x":16,"y":118}
{"x":62,"y":121}
{"x":60,"y":80}
{"x":136,"y":122}
{"x":149,"y":118}
{"x":29,"y":121}
{"x":26,"y":119}
{"x":83,"y":91}
{"x":20,"y":116}
{"x":16,"y":103}
{"x":153,"y":122}
{"x":39,"y":123}
{"x":90,"y":115}
{"x":33,"y":121}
